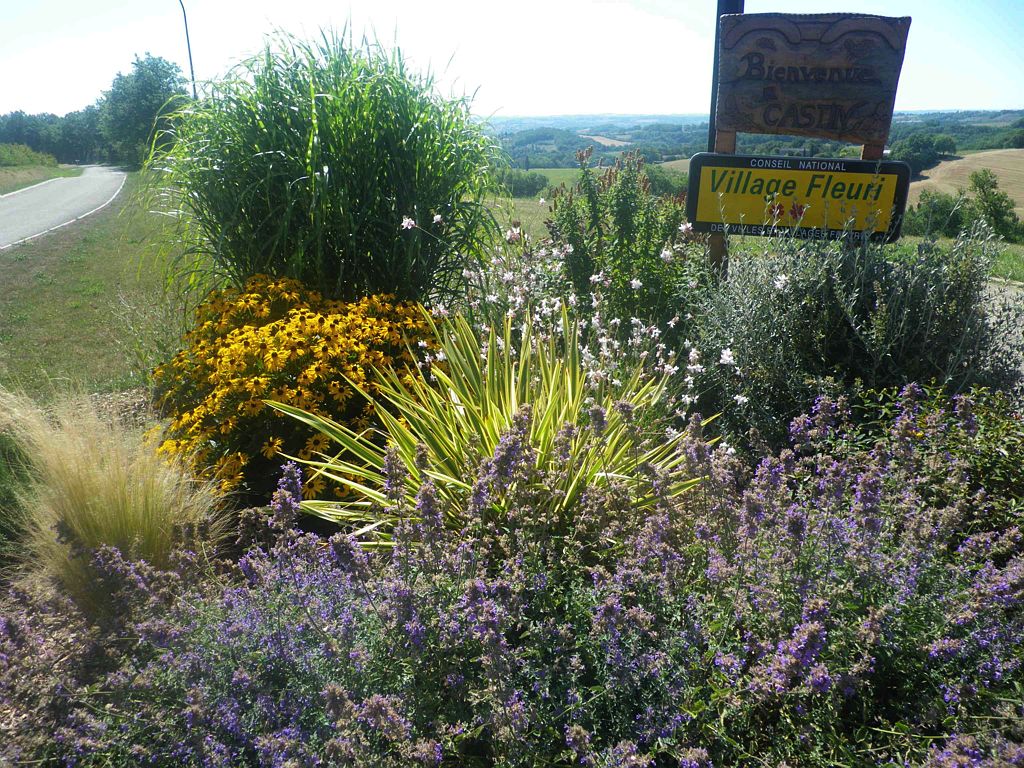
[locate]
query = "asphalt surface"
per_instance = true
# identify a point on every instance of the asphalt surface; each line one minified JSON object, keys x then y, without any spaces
{"x":36,"y":210}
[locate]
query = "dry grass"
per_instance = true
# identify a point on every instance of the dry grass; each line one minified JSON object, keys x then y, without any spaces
{"x":605,"y":141}
{"x":952,"y":175}
{"x":682,"y":166}
{"x":98,"y":482}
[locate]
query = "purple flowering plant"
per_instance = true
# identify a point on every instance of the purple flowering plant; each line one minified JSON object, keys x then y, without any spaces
{"x":827,"y":606}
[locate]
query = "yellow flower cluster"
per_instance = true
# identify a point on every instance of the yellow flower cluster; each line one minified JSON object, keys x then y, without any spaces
{"x":276,"y":340}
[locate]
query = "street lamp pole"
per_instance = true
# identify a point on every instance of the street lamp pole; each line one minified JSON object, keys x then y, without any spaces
{"x":191,"y":69}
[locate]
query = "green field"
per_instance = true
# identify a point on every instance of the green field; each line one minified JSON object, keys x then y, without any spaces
{"x":19,"y":176}
{"x":529,"y":212}
{"x":558,"y":176}
{"x":84,"y":306}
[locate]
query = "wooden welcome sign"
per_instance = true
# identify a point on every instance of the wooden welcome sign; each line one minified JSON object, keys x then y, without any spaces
{"x":830,"y":76}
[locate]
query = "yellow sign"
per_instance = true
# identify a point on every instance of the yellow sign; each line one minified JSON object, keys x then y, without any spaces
{"x":811,"y":197}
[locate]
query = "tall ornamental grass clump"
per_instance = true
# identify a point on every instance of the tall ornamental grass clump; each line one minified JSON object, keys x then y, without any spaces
{"x":333,"y":164}
{"x":91,"y":483}
{"x":833,"y":606}
{"x":489,"y":401}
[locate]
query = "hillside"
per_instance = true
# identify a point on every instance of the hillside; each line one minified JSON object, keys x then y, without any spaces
{"x":951,"y":175}
{"x":682,"y":165}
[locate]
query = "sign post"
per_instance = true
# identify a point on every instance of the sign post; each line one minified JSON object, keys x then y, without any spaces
{"x":829,"y":76}
{"x":724,"y":7}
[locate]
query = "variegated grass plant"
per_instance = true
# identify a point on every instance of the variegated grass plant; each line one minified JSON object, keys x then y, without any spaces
{"x":332,"y":163}
{"x":511,"y":390}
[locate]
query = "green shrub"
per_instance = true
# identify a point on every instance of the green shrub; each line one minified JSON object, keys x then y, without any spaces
{"x":19,"y":154}
{"x":521,"y":183}
{"x":797,"y":317}
{"x":944,"y":215}
{"x":666,"y":181}
{"x":994,"y":206}
{"x":623,"y":238}
{"x":496,"y":401}
{"x":332,"y":164}
{"x":275,"y":339}
{"x":94,"y":483}
{"x":937,"y":214}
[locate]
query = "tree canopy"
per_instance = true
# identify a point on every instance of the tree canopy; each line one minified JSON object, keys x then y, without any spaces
{"x":131,"y":109}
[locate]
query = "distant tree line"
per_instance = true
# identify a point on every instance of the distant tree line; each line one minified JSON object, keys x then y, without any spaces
{"x":921,"y":141}
{"x":117,"y":128}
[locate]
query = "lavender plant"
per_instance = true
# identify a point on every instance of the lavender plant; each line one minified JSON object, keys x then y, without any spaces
{"x":799,"y":318}
{"x":825,"y":607}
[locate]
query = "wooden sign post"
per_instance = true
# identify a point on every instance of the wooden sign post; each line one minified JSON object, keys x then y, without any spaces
{"x":829,"y":76}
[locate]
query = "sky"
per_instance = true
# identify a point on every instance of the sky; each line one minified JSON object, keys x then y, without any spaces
{"x":526,"y":57}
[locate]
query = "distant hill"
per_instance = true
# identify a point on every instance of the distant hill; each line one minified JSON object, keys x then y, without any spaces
{"x":952,"y":175}
{"x":586,"y":123}
{"x":553,"y":141}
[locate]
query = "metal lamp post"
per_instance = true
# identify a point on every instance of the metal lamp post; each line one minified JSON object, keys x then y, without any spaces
{"x":188,"y":44}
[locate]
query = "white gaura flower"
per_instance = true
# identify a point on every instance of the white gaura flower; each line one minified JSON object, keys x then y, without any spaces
{"x":686,"y":227}
{"x":438,"y":219}
{"x":781,"y":282}
{"x":408,"y":223}
{"x":666,"y":255}
{"x":741,"y":399}
{"x":635,"y":284}
{"x":727,"y":357}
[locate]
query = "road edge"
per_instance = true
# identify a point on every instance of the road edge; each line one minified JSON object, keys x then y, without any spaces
{"x":32,"y":186}
{"x":124,"y":178}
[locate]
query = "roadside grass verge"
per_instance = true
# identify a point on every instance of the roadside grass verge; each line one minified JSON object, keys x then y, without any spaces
{"x":1009,"y":263}
{"x":86,"y":307}
{"x":18,"y":177}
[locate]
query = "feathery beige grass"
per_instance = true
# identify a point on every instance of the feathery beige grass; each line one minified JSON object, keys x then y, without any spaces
{"x":95,"y":482}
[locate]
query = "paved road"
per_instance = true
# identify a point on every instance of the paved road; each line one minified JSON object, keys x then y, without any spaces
{"x":35,"y":210}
